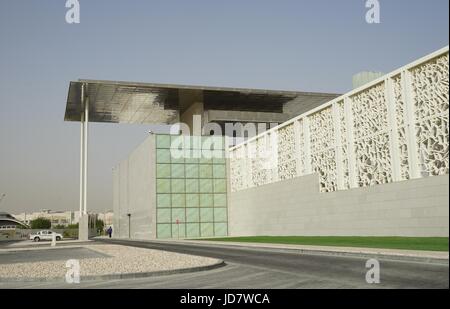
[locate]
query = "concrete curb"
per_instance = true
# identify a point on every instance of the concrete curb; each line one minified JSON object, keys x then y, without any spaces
{"x":217,"y":264}
{"x":321,"y":251}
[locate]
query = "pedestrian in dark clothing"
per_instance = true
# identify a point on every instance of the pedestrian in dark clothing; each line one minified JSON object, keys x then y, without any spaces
{"x":109,"y":231}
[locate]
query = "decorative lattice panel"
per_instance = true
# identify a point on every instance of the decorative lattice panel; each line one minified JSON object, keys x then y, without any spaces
{"x":237,"y":169}
{"x":344,"y":144}
{"x":260,"y":156}
{"x":287,"y":164}
{"x":420,"y":105}
{"x":373,"y":161}
{"x":301,"y":151}
{"x":400,"y":116}
{"x":430,"y":85}
{"x":323,"y":156}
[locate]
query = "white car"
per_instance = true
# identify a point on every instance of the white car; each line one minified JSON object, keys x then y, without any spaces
{"x":45,"y":235}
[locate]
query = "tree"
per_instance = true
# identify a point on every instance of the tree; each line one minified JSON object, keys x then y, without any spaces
{"x":100,"y":225}
{"x":40,"y":223}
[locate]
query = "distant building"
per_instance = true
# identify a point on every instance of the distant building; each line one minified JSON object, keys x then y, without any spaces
{"x":106,"y":217}
{"x":64,"y":218}
{"x":8,"y":221}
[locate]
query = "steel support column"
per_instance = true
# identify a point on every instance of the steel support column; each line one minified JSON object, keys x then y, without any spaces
{"x":86,"y":123}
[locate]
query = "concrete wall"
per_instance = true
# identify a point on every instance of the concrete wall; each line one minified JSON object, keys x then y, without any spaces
{"x":134,"y":193}
{"x":295,"y":207}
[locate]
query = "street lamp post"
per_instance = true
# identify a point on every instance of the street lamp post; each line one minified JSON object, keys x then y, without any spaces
{"x":129,"y":225}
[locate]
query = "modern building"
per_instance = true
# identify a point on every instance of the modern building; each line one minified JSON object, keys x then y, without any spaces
{"x":63,"y":218}
{"x":371,"y":162}
{"x":8,"y":221}
{"x":106,"y":217}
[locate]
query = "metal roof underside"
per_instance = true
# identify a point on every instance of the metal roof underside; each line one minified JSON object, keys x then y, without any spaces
{"x":144,"y":103}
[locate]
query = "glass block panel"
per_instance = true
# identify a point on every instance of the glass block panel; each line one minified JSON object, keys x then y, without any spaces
{"x":206,"y":186}
{"x":213,"y":142}
{"x":219,"y":170}
{"x":178,"y":186}
{"x":191,"y":170}
{"x":219,"y":156}
{"x":205,"y":170}
{"x":177,"y":142}
{"x":192,"y":186}
{"x":177,"y":170}
{"x":163,"y":200}
{"x":218,"y":142}
{"x":192,"y":215}
{"x":206,"y":230}
{"x":193,"y":230}
{"x":178,"y":200}
{"x":206,"y":215}
{"x":220,"y":215}
{"x":176,"y":159}
{"x":205,"y":160}
{"x":163,"y":231}
{"x":191,"y":160}
{"x":178,"y":213}
{"x":163,"y":185}
{"x":162,"y":141}
{"x":220,"y":200}
{"x":220,"y":185}
{"x":178,"y":230}
{"x":206,"y":200}
{"x":220,"y":229}
{"x":162,"y":155}
{"x":195,"y":142}
{"x":192,"y":200}
{"x":163,"y":215}
{"x":162,"y":170}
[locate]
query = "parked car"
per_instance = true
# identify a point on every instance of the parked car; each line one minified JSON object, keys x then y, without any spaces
{"x":45,"y":235}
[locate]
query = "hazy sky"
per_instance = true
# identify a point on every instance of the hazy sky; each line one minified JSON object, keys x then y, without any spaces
{"x":293,"y":45}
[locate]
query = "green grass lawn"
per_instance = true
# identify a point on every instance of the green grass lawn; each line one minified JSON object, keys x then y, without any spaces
{"x":407,"y":243}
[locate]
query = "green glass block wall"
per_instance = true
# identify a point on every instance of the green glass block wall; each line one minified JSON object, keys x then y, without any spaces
{"x":191,"y":186}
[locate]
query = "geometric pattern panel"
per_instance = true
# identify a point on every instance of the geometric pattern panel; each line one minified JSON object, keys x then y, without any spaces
{"x":370,"y":124}
{"x":431,"y":93}
{"x":286,"y":153}
{"x":401,"y":122}
{"x":323,"y":155}
{"x":349,"y":140}
{"x":373,"y":161}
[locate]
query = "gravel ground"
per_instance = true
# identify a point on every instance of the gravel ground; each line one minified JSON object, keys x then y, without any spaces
{"x":122,"y":260}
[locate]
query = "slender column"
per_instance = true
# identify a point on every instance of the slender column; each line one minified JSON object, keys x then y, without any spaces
{"x":82,"y":153}
{"x":86,"y":122}
{"x":81,"y":162}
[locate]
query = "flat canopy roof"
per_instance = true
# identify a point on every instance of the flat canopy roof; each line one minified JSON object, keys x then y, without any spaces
{"x":149,"y":103}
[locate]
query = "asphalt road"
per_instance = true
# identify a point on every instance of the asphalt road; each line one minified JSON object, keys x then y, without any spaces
{"x":257,"y":268}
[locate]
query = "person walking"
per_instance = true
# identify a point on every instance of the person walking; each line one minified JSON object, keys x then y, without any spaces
{"x":110,"y":231}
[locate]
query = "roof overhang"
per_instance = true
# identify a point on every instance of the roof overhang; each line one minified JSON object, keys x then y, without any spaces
{"x":149,"y":103}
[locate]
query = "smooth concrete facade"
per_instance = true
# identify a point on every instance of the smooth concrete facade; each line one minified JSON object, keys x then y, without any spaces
{"x":134,"y":194}
{"x":296,"y":207}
